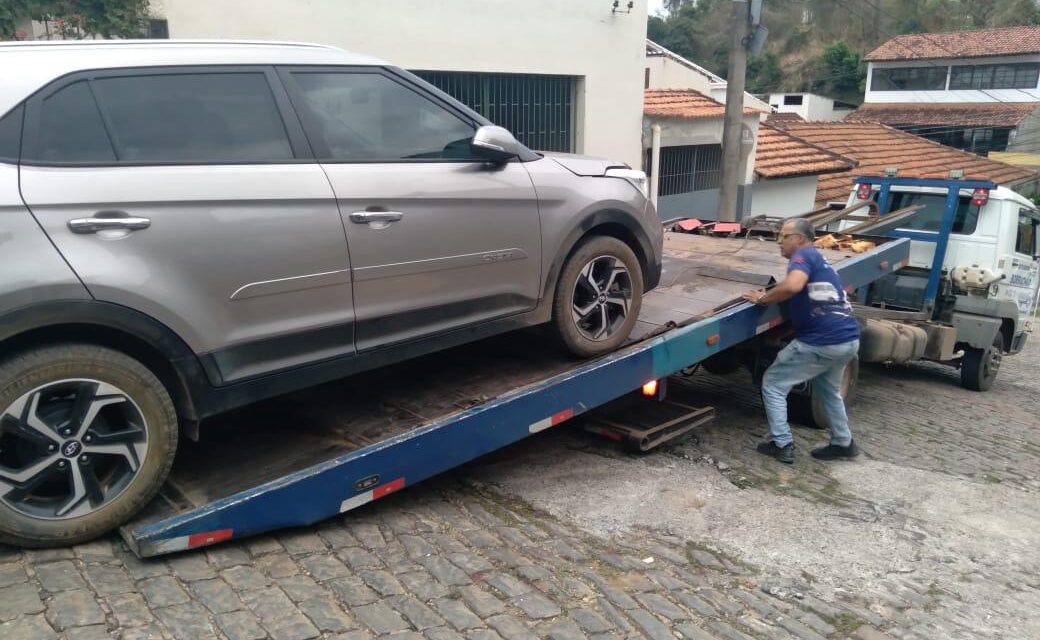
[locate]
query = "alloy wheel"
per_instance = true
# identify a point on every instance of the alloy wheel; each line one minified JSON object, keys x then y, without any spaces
{"x":602,"y":298}
{"x":70,"y":447}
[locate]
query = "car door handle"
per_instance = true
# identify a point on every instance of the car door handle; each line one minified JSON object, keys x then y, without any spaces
{"x":364,"y":217}
{"x":101,"y":223}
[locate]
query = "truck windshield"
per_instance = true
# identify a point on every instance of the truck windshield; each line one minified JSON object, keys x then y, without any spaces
{"x":930,"y":218}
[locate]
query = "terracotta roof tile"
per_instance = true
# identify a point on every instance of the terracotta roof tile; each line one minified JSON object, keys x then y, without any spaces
{"x":876,"y":146}
{"x":781,"y":155}
{"x":967,"y":114}
{"x":683,"y":103}
{"x":959,"y":44}
{"x":784,"y":117}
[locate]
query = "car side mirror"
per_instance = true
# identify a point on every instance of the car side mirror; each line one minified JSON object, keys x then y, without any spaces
{"x":495,"y":144}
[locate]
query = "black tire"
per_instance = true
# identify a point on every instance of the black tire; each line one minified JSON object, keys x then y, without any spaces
{"x":807,"y":409}
{"x":564,"y":325}
{"x":979,"y":367}
{"x":140,"y":470}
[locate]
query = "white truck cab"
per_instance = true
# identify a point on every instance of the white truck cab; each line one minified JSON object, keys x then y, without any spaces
{"x":989,"y":288}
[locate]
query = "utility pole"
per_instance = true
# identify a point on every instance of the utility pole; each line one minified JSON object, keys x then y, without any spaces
{"x":733,"y":131}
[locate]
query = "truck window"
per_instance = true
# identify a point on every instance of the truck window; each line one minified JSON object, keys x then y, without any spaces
{"x":930,"y":218}
{"x":1027,"y":234}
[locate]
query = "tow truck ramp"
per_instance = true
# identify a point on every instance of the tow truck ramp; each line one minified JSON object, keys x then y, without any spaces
{"x":324,"y":451}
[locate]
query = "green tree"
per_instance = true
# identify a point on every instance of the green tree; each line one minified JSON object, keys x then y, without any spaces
{"x":840,"y":72}
{"x":77,"y":18}
{"x":764,"y":74}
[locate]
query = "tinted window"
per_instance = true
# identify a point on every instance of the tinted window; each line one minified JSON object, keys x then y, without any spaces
{"x":71,"y":129}
{"x":11,"y":136}
{"x":995,"y":76}
{"x":930,"y":218}
{"x":1027,"y":235}
{"x":909,"y":79}
{"x":369,"y":117}
{"x":212,"y":117}
{"x":793,"y":100}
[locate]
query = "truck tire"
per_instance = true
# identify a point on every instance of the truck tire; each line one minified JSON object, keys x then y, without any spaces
{"x":87,"y":437}
{"x":979,"y":367}
{"x":806,"y":408}
{"x":598,"y":297}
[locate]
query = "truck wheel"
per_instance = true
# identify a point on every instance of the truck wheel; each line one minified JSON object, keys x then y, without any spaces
{"x":979,"y":367}
{"x":87,"y":437}
{"x":807,"y":408}
{"x":598,"y":297}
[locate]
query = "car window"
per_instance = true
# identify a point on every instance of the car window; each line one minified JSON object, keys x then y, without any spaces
{"x":71,"y":129}
{"x":11,"y":135}
{"x":1027,"y":234}
{"x":930,"y":218}
{"x":369,"y":117}
{"x":190,"y":118}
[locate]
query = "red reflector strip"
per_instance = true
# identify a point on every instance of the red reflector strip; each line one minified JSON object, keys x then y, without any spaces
{"x":388,"y":488}
{"x":766,"y":326}
{"x":712,"y":340}
{"x":551,"y":421}
{"x":375,"y":493}
{"x":210,"y":537}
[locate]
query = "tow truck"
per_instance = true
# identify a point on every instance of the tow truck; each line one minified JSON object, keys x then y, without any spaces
{"x":969,"y":294}
{"x":325,"y":451}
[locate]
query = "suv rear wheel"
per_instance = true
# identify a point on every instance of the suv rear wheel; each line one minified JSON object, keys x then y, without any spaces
{"x":87,"y":437}
{"x":598,"y":297}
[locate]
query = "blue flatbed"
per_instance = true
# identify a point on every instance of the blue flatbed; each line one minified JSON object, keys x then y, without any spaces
{"x":320,"y":452}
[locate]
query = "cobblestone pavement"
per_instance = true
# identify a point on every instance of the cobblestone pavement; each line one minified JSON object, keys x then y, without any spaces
{"x":471,"y":556}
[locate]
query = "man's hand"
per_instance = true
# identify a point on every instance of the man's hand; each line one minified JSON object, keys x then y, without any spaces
{"x":755,"y":296}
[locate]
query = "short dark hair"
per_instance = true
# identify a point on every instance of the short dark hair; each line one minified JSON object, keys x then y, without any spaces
{"x":803,"y":227}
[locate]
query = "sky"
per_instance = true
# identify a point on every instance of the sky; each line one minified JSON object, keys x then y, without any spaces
{"x":655,"y":6}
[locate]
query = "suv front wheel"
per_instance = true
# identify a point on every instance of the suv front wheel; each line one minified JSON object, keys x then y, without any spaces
{"x":87,"y":437}
{"x":598,"y":297}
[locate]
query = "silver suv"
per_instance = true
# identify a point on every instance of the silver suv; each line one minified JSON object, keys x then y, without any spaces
{"x":188,"y":227}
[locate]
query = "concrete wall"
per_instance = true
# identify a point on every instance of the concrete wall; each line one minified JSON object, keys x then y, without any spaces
{"x":783,"y":197}
{"x":1026,"y":137}
{"x":575,"y":38}
{"x":989,"y":95}
{"x":814,"y":108}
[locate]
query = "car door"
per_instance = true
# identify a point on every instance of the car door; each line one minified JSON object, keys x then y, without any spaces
{"x":1023,"y":268}
{"x":190,"y":195}
{"x":439,"y":239}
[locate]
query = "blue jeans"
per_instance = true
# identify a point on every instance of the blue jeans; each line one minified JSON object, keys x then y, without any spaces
{"x":797,"y":363}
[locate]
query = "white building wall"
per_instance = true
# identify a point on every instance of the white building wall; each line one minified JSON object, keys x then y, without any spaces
{"x":575,"y":38}
{"x":814,"y":108}
{"x":989,"y":95}
{"x":784,"y":197}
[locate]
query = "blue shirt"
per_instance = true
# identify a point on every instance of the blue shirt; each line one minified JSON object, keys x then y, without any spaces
{"x":820,"y":312}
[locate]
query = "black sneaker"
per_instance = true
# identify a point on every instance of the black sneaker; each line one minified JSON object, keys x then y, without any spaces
{"x":783,"y":454}
{"x":836,"y":452}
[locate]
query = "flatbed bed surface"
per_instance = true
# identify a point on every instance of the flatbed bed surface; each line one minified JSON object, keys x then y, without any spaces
{"x":269,"y":440}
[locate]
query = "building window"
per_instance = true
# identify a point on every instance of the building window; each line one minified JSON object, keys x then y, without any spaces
{"x":794,"y":100}
{"x":980,"y":140}
{"x":157,"y":30}
{"x":909,"y":79}
{"x":689,"y":168}
{"x":646,"y":79}
{"x":538,"y":109}
{"x":995,"y":76}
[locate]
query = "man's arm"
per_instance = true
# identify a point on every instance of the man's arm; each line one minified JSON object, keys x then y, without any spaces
{"x":794,"y":282}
